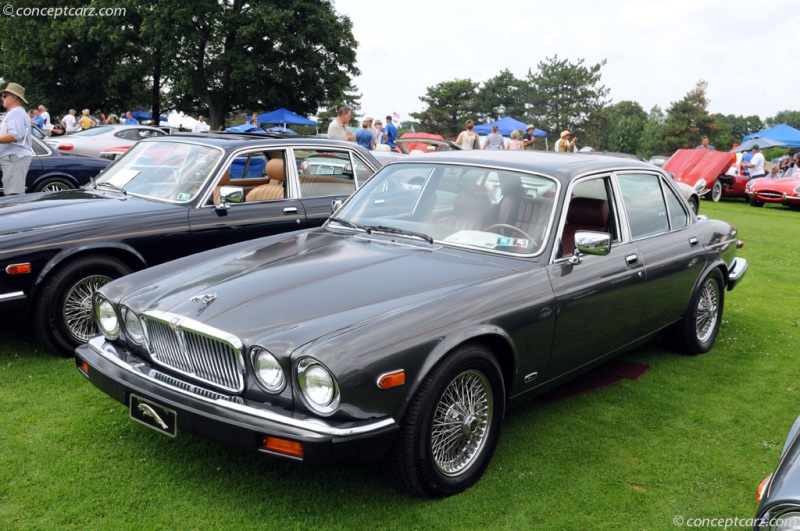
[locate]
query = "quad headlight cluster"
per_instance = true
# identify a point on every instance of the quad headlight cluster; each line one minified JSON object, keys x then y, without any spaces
{"x":318,"y":388}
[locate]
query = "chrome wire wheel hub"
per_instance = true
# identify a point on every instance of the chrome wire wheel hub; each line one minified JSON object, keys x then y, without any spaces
{"x":707,"y":310}
{"x":78,"y":316}
{"x":55,"y":187}
{"x":461,"y":423}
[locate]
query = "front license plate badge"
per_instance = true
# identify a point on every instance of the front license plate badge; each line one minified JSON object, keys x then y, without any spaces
{"x":153,"y":415}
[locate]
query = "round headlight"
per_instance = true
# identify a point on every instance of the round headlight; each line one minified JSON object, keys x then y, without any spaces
{"x":700,"y":185}
{"x":787,"y":521}
{"x":267,"y":370}
{"x":106,"y":317}
{"x":318,"y":386}
{"x":133,"y":326}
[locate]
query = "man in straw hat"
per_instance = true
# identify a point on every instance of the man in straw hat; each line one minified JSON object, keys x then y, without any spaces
{"x":15,"y":140}
{"x":564,"y":143}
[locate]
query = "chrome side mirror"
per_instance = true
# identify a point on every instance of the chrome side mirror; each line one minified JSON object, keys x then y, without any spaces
{"x":228,"y":195}
{"x":590,"y":242}
{"x":336,"y":204}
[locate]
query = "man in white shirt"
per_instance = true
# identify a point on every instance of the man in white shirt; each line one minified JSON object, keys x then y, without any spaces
{"x":69,"y":123}
{"x":339,"y":128}
{"x":47,"y":126}
{"x":756,"y":163}
{"x":201,"y":126}
{"x":15,"y":140}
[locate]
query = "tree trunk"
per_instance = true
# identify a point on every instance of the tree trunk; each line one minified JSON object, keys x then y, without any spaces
{"x":156,"y":94}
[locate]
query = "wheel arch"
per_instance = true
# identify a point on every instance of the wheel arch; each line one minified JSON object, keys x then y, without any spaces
{"x":126,"y":254}
{"x":55,"y":175}
{"x":493,"y":338}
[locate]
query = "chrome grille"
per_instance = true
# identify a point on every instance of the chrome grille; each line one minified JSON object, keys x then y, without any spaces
{"x":198,"y":351}
{"x":200,"y":391}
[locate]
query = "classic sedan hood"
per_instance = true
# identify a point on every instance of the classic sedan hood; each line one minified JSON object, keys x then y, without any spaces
{"x":59,"y":210}
{"x":318,"y":279}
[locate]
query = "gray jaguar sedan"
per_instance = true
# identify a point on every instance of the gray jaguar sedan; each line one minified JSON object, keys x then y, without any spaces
{"x":448,"y":288}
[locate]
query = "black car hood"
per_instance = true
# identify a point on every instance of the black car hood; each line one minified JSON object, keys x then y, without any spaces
{"x":318,"y":281}
{"x":59,"y":211}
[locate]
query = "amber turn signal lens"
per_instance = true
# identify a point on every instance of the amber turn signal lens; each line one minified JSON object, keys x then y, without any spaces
{"x":392,"y":379}
{"x":85,"y":368}
{"x":18,"y":269}
{"x":762,"y":488}
{"x":282,"y":446}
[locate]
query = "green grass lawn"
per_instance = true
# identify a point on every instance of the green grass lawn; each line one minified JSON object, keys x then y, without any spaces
{"x":692,"y":438}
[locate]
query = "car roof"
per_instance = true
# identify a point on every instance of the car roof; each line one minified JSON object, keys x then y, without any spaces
{"x":564,"y":166}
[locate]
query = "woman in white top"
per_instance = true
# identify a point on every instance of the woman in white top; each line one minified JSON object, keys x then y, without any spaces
{"x":467,"y":139}
{"x":494,"y":140}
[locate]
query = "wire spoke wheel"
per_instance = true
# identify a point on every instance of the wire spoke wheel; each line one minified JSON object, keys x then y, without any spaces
{"x":77,"y":311}
{"x":55,"y":187}
{"x":707,"y":310}
{"x":461,"y":422}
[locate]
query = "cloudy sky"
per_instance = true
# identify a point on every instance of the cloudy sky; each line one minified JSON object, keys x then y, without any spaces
{"x":656,"y":51}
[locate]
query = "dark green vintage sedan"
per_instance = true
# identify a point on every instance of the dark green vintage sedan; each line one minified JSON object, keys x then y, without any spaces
{"x":449,"y":287}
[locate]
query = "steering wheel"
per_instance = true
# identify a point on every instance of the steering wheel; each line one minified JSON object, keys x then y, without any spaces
{"x":512,"y":227}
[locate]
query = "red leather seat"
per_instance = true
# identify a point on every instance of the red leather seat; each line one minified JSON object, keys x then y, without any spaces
{"x":585,"y":213}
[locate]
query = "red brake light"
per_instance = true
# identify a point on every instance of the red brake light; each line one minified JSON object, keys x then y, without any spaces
{"x":65,"y":147}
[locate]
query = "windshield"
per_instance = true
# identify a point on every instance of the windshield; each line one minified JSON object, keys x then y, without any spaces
{"x":170,"y":171}
{"x":465,"y":206}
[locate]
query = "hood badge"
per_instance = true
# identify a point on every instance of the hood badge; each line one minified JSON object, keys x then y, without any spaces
{"x":204,"y":299}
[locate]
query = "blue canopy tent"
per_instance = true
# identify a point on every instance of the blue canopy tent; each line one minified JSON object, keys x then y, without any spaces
{"x":282,"y":129}
{"x":284,"y":117}
{"x":245,"y":128}
{"x":505,"y":126}
{"x":786,"y":135}
{"x":146,"y":115}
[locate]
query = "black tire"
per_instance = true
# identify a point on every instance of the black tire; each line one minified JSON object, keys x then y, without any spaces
{"x":466,"y":431}
{"x":755,"y":202}
{"x":62,"y":314}
{"x":697,"y":331}
{"x":53,"y":184}
{"x":716,"y":191}
{"x":694,"y":204}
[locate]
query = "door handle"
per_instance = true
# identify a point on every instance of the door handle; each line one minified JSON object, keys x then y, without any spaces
{"x":631,"y":259}
{"x":290,"y":210}
{"x":693,"y":241}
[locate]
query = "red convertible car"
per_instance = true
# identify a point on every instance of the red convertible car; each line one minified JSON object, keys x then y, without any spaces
{"x":706,"y":171}
{"x":785,"y":190}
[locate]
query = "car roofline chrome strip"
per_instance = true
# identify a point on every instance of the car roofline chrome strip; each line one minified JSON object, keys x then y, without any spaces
{"x":97,"y":344}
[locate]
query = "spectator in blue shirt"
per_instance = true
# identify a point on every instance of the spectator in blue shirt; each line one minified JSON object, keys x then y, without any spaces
{"x":390,"y":132}
{"x":364,"y":136}
{"x":129,"y":119}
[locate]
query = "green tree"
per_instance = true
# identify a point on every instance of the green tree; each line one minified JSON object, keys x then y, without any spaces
{"x":688,"y":120}
{"x":502,"y":95}
{"x":78,"y":62}
{"x":260,"y":54}
{"x":564,"y":95}
{"x":197,"y":56}
{"x":626,"y":121}
{"x":449,"y":104}
{"x":732,"y":129}
{"x":653,"y":135}
{"x":790,"y":118}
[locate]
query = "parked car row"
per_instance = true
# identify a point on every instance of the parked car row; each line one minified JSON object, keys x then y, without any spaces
{"x":449,"y":287}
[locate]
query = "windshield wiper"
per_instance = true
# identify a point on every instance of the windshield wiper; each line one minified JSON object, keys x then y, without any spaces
{"x":395,"y":230}
{"x":112,"y":186}
{"x":347,"y":223}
